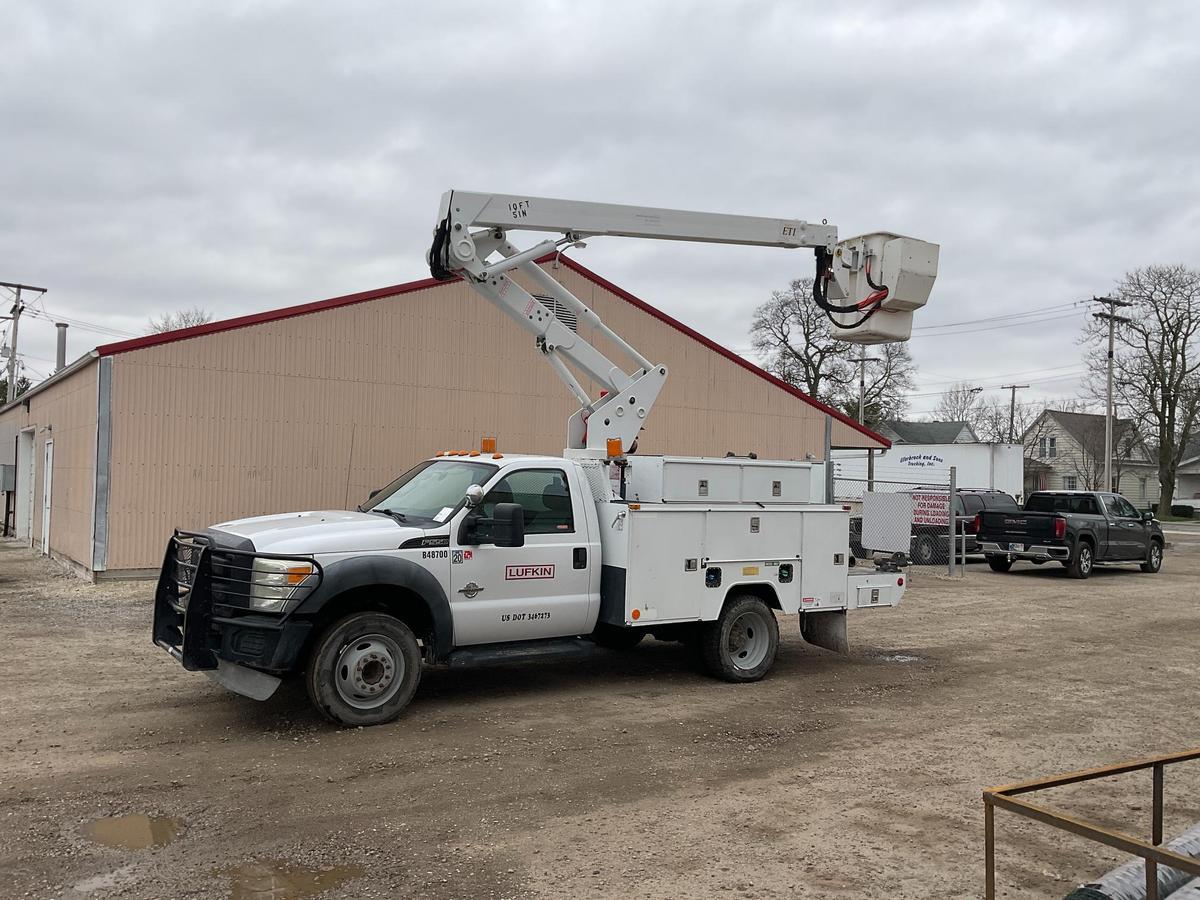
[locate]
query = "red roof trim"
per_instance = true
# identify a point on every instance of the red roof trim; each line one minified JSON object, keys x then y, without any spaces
{"x":717,"y":348}
{"x":272,"y":315}
{"x":275,"y":315}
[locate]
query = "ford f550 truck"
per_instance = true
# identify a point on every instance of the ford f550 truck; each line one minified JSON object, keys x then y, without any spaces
{"x":480,"y":556}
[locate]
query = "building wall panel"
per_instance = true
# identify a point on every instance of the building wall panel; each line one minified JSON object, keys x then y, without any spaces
{"x":316,"y":410}
{"x":65,"y":412}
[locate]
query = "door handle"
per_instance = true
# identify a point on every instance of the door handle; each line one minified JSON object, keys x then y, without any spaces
{"x":579,"y":558}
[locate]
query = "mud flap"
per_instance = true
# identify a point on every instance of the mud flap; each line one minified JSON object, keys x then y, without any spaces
{"x":825,"y":629}
{"x":247,"y":682}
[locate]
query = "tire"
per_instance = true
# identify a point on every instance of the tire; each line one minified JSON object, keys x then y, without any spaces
{"x":364,"y":670}
{"x":1154,"y":561}
{"x":1082,"y":562}
{"x":741,"y":645}
{"x":924,"y":551}
{"x":999,"y":563}
{"x":615,"y":637}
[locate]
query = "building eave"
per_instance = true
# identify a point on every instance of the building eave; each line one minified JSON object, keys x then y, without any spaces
{"x":81,"y":363}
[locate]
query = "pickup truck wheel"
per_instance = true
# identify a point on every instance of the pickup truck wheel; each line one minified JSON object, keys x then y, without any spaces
{"x":741,"y":645}
{"x":1081,"y":565}
{"x":364,"y":670}
{"x":1154,"y":561}
{"x":924,"y":552}
{"x":999,"y":563}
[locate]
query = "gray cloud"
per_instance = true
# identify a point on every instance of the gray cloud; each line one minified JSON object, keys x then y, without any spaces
{"x":242,"y":156}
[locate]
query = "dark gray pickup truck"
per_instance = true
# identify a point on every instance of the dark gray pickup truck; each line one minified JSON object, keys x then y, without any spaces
{"x":1076,"y":528}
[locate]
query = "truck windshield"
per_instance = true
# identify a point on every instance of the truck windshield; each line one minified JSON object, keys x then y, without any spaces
{"x":434,"y":490}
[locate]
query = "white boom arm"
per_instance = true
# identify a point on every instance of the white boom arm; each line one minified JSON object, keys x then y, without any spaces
{"x":473,"y":227}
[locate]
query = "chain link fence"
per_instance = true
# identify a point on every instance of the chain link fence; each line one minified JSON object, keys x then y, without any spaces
{"x":902,"y":511}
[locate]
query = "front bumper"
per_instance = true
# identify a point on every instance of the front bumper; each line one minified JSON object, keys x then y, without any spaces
{"x":201,"y":614}
{"x":1027,"y":551}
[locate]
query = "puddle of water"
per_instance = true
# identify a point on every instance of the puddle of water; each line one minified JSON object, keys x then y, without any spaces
{"x":133,"y":832}
{"x":285,"y":881}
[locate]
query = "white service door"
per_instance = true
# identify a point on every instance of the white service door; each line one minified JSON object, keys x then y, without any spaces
{"x":47,"y":484}
{"x":540,"y":590}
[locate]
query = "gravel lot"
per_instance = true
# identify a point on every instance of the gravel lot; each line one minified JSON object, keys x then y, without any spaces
{"x":629,"y":775}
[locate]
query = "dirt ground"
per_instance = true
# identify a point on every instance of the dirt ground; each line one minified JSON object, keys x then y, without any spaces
{"x":626,"y":776}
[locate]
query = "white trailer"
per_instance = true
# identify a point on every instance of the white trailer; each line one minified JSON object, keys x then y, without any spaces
{"x":998,"y":467}
{"x":479,"y":556}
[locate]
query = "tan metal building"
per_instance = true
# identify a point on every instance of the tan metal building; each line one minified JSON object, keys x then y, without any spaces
{"x":312,"y":406}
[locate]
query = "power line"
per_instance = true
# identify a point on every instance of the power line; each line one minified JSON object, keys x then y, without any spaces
{"x":1052,"y":318}
{"x":1033,"y":312}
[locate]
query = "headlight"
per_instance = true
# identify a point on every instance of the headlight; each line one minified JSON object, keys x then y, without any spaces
{"x":276,"y":581}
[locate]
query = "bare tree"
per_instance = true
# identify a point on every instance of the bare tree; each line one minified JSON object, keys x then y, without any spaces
{"x":889,"y":380}
{"x":959,"y":403}
{"x":184,"y":318}
{"x":1088,"y":462}
{"x":991,"y":418}
{"x":1157,"y":361}
{"x":796,"y":342}
{"x":794,"y":339}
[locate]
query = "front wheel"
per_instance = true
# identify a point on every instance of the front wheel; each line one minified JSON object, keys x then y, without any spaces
{"x":364,"y":670}
{"x":1081,"y":565}
{"x":741,"y":645}
{"x":999,"y":563}
{"x":1154,"y":561}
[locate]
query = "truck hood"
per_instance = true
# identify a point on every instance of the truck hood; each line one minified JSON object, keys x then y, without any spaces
{"x":324,"y":531}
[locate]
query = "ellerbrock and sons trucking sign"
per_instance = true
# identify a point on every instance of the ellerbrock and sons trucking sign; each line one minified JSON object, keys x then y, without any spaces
{"x":931,"y":508}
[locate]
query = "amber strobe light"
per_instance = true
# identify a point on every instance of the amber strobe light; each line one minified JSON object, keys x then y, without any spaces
{"x":614,"y":447}
{"x":487,"y":444}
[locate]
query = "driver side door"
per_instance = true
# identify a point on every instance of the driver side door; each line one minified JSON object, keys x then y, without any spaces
{"x":1134,"y":532}
{"x":540,"y":590}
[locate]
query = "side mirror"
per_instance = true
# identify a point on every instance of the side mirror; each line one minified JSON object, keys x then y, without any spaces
{"x":505,"y":527}
{"x":1148,"y":516}
{"x":474,"y":496}
{"x":374,"y":493}
{"x":508,"y":525}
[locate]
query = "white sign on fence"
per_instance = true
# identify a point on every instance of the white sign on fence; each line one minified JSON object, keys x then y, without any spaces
{"x":887,"y":521}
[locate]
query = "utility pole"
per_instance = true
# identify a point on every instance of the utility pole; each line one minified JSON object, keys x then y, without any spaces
{"x":16,"y":317}
{"x":1012,"y":406}
{"x":862,"y":382}
{"x":1112,"y":318}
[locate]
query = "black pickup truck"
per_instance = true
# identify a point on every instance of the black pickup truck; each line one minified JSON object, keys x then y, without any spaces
{"x":1077,"y":528}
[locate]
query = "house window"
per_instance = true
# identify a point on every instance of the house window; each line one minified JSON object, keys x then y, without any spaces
{"x":1054,"y":450}
{"x":1142,"y":488}
{"x":1069,"y":482}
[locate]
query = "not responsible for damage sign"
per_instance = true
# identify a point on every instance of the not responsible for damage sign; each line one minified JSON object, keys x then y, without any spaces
{"x":930,"y":508}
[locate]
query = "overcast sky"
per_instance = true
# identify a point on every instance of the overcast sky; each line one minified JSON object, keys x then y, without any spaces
{"x":245,"y":156}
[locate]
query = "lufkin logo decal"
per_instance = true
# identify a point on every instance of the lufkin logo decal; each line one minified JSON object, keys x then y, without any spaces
{"x":525,"y":573}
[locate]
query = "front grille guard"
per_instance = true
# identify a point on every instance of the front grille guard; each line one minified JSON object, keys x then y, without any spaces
{"x":195,"y":577}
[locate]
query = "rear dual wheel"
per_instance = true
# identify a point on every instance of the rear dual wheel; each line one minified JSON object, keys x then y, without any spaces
{"x":740,"y":646}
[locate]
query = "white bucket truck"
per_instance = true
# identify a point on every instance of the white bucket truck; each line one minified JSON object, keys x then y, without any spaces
{"x":484,"y":556}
